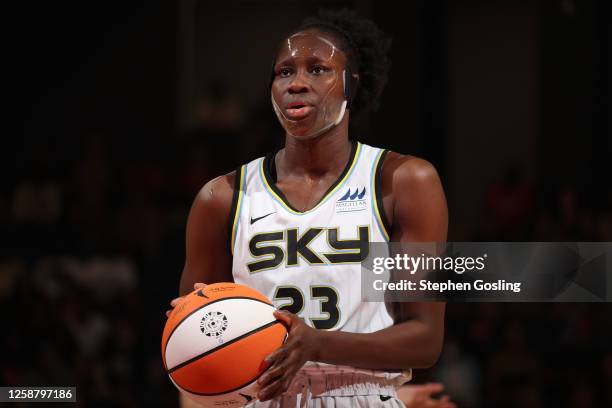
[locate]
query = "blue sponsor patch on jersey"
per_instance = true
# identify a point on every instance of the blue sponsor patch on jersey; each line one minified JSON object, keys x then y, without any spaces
{"x":353,"y":199}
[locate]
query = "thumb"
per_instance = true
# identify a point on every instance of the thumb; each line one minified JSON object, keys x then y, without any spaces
{"x":284,"y":316}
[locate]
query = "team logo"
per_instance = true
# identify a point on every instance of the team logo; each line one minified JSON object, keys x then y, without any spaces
{"x":213,"y":324}
{"x":353,"y":199}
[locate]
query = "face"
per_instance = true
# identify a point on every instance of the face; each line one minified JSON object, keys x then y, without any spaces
{"x":308,"y":86}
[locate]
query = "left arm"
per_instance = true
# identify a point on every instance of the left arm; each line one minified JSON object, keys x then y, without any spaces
{"x":415,"y":201}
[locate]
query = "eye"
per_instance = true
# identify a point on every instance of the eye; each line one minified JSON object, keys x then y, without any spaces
{"x":284,"y":72}
{"x":318,"y":69}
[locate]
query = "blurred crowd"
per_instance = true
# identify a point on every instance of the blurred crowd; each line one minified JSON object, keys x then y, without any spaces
{"x":94,"y":241}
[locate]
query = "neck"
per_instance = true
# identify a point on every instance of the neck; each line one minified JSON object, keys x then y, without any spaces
{"x":317,"y":157}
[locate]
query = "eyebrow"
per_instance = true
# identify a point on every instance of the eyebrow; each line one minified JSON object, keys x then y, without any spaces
{"x":311,"y":58}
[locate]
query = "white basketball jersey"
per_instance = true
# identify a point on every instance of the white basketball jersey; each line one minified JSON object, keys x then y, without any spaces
{"x":310,"y":262}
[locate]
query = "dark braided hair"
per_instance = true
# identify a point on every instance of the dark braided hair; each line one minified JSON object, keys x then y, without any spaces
{"x":367,"y":50}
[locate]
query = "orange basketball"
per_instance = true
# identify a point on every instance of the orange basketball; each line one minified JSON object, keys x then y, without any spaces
{"x":215,"y":342}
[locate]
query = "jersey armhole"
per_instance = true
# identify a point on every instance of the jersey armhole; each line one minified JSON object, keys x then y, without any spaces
{"x":379,"y":207}
{"x":237,"y":198}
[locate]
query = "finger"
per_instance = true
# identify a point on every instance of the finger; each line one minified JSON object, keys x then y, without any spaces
{"x":418,"y":399}
{"x":284,"y":316}
{"x":280,"y":385}
{"x":271,"y":391}
{"x":445,"y":402}
{"x":175,"y":301}
{"x":198,"y":285}
{"x":282,"y":367}
{"x":426,"y":392}
{"x":281,"y":352}
{"x":277,"y":355}
{"x":168,"y":313}
{"x":434,"y":388}
{"x":277,"y":370}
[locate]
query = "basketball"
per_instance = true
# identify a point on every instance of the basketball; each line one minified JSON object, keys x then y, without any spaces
{"x":215,"y":341}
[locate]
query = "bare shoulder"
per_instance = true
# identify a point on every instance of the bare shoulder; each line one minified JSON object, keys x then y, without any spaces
{"x":213,"y":202}
{"x":217,"y":194}
{"x":414,"y":199}
{"x":405,"y":171}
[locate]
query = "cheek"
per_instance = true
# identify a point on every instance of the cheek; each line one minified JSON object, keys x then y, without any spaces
{"x":275,"y":92}
{"x":279,"y":87}
{"x":333,"y":89}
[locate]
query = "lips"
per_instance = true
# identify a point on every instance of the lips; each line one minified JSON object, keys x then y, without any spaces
{"x":298,"y":110}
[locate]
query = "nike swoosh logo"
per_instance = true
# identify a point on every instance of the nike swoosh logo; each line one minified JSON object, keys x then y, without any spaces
{"x":385,"y":398}
{"x":248,"y":397}
{"x":254,"y":220}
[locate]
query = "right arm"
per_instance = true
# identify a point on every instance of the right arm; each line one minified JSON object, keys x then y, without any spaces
{"x":207,"y":248}
{"x":207,"y":252}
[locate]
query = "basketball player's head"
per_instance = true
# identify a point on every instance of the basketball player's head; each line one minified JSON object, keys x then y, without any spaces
{"x":331,"y":65}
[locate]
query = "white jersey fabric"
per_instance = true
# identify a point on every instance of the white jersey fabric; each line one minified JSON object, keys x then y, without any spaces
{"x":310,"y":262}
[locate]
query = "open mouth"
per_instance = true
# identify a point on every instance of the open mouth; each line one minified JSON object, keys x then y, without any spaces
{"x":298,"y":110}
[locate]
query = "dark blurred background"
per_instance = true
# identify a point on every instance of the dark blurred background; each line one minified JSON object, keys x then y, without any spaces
{"x":127,"y":109}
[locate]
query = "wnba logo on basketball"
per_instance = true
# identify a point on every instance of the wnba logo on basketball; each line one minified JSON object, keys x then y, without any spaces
{"x":353,"y":199}
{"x":213,"y":324}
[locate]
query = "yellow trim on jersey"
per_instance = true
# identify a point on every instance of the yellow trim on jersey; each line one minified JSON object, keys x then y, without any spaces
{"x":238,"y":207}
{"x":374,"y":200}
{"x":338,"y":185}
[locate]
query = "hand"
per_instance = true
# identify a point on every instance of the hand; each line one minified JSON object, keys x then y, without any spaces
{"x":301,"y":346}
{"x":178,"y":300}
{"x":420,"y":396}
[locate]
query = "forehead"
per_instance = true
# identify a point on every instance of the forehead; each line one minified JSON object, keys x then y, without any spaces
{"x":310,"y":44}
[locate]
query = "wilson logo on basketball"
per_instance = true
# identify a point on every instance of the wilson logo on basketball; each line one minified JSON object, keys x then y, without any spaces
{"x":213,"y":324}
{"x":353,"y":199}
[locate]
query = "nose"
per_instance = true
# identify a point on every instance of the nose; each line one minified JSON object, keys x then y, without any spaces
{"x":298,"y":84}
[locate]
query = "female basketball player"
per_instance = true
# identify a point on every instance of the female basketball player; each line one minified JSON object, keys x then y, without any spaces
{"x":296,"y":224}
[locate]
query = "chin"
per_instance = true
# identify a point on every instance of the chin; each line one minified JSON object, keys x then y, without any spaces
{"x":308,"y":132}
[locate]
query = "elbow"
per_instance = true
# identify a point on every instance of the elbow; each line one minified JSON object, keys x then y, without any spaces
{"x":429,"y":354}
{"x":431,"y":357}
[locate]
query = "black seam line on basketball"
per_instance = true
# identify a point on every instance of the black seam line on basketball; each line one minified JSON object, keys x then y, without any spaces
{"x":221,"y":346}
{"x":269,"y":162}
{"x":203,"y":306}
{"x":224,"y":392}
{"x":254,"y":220}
